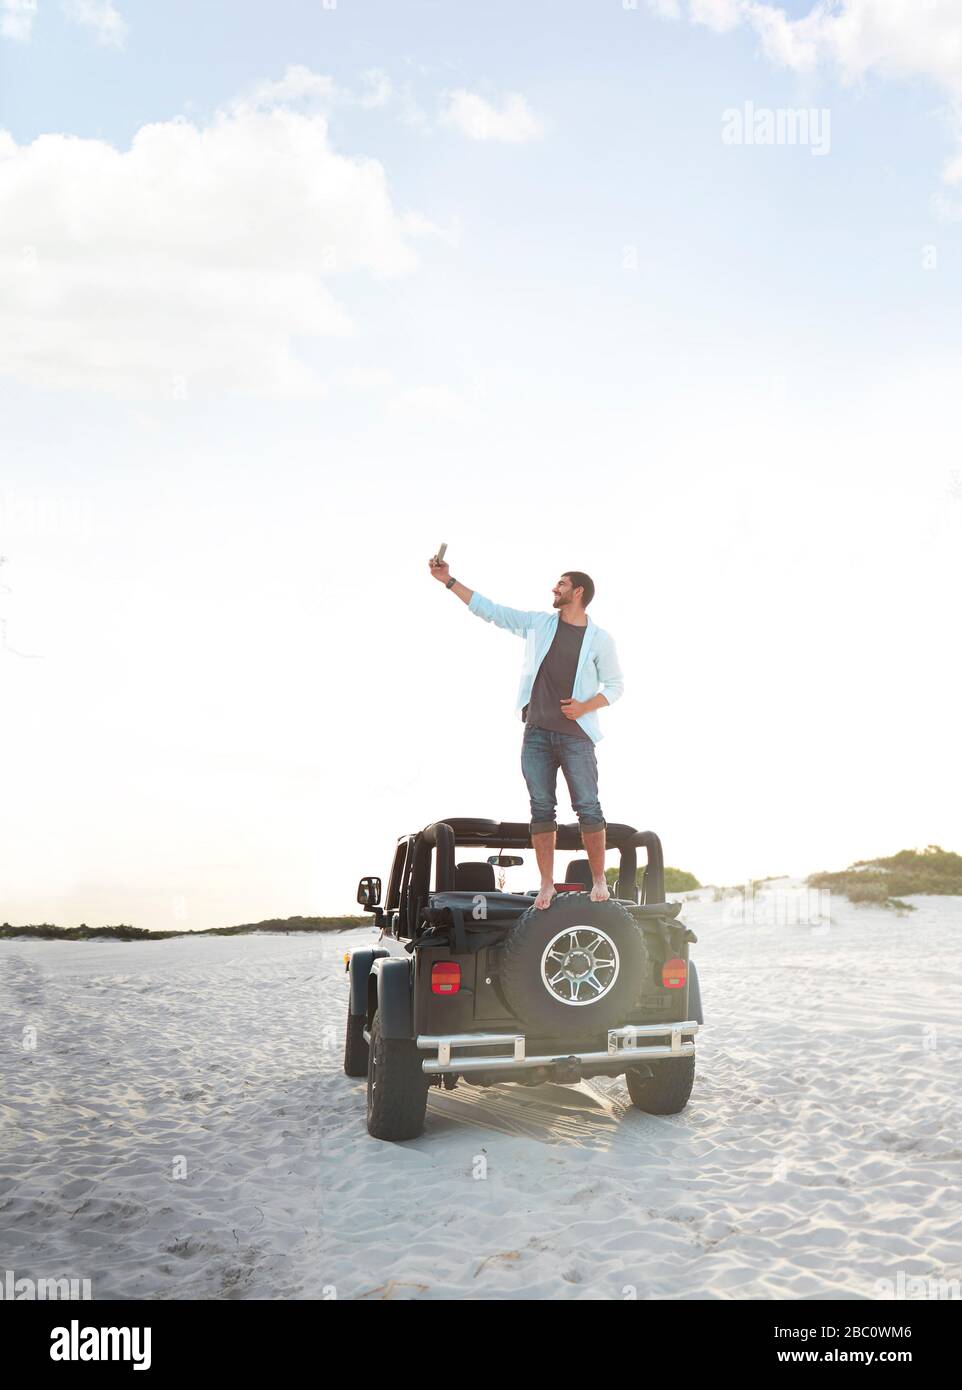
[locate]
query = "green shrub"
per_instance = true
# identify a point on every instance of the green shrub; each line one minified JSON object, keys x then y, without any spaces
{"x":288,"y":924}
{"x":679,"y":881}
{"x":47,"y":932}
{"x":886,"y":880}
{"x":676,"y":880}
{"x":867,"y":890}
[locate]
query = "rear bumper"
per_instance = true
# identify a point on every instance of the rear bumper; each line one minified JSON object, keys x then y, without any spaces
{"x":632,"y":1045}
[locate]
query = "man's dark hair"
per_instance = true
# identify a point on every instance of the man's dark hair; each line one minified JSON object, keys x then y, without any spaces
{"x":580,"y":580}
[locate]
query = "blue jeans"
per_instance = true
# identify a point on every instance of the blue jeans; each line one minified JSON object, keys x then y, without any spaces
{"x":542,"y":752}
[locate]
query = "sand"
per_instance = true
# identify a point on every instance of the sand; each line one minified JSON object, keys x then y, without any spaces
{"x":820,"y":1156}
{"x":163,"y":1138}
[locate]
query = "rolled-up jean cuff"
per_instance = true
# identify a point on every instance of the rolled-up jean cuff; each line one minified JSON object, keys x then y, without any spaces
{"x":591,"y":826}
{"x":543,"y":827}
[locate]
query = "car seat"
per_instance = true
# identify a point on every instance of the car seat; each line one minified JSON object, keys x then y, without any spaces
{"x":474,"y":877}
{"x":579,"y":871}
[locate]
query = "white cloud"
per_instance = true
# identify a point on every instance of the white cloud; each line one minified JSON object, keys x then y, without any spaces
{"x":952,"y":171}
{"x":380,"y":88}
{"x":792,"y":44}
{"x":299,"y":86}
{"x":309,"y":90}
{"x":16,"y":19}
{"x":108,"y":26}
{"x":476,"y":118}
{"x":717,"y":14}
{"x":192,"y":261}
{"x":417,"y":225}
{"x":894,"y":38}
{"x":419,"y":406}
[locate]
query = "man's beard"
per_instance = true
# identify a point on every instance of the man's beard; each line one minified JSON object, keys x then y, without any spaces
{"x":559,"y":602}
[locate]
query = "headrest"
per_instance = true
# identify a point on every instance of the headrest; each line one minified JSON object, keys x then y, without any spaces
{"x":474,"y":877}
{"x":579,"y":871}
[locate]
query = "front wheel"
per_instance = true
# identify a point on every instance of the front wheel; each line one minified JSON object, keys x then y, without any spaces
{"x":397,"y":1088}
{"x":666,"y":1091}
{"x":355,"y":1048}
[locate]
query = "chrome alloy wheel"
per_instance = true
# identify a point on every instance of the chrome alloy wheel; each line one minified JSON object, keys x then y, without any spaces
{"x":580,"y":965}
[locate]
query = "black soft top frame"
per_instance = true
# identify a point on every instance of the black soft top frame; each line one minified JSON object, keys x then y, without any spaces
{"x":445,"y":836}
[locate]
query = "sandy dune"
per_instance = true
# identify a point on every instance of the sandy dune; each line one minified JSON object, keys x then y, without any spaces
{"x":821,"y":1152}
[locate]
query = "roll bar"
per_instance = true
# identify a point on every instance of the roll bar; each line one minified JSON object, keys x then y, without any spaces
{"x":655,"y":874}
{"x":441,"y":836}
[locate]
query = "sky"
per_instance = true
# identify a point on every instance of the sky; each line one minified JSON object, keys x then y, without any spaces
{"x":288,"y":295}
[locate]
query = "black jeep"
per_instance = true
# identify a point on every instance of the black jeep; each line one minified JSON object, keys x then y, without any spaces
{"x":479,"y":985}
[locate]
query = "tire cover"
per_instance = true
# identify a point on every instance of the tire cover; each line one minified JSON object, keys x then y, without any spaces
{"x":574,"y":967}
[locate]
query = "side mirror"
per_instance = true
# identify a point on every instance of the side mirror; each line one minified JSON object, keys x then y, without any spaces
{"x":505,"y":861}
{"x":369,"y":892}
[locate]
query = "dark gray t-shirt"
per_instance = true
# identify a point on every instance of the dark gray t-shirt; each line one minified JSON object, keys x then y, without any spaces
{"x":555,"y":682}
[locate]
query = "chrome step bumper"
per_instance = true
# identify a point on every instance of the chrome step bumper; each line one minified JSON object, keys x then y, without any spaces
{"x":631,"y":1045}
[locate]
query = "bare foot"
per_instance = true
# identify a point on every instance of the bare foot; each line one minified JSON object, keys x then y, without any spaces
{"x":543,"y":899}
{"x":599,"y":891}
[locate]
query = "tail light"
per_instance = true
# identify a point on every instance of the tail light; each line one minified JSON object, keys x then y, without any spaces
{"x":445,"y":977}
{"x":674,"y":973}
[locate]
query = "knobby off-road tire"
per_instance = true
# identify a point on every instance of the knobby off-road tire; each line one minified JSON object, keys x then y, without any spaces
{"x":666,"y":1092}
{"x":563,"y":951}
{"x":397,"y":1088}
{"x":355,"y":1048}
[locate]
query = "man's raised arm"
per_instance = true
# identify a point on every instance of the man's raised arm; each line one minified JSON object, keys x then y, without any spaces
{"x":516,"y":620}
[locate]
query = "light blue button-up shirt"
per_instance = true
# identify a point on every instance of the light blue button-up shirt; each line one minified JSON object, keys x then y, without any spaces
{"x":598,"y":669}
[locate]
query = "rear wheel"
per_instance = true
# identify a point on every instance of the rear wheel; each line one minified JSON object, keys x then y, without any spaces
{"x":397,"y":1088}
{"x":666,"y":1091}
{"x":355,"y":1048}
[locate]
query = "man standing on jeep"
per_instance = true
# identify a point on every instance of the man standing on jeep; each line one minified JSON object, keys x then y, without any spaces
{"x":570,"y":670}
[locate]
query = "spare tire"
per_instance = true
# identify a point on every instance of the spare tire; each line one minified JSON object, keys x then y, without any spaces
{"x":574,"y":967}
